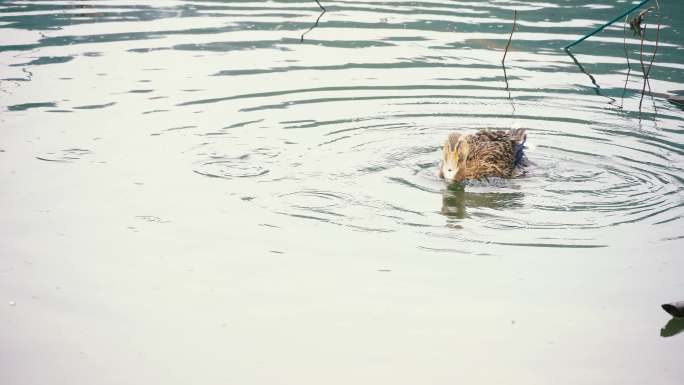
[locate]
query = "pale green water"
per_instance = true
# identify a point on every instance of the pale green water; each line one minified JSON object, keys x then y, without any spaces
{"x":191,"y":194}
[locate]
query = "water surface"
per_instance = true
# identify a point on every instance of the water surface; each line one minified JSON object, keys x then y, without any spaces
{"x":193,"y":191}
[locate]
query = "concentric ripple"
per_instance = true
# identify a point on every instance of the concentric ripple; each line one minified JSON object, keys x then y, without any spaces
{"x":251,"y":163}
{"x":345,"y":126}
{"x":66,"y":155}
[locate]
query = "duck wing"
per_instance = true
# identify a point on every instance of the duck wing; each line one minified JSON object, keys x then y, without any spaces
{"x":514,"y":139}
{"x":517,"y":136}
{"x":502,"y":149}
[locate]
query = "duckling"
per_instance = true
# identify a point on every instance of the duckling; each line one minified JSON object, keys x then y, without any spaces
{"x":482,"y":154}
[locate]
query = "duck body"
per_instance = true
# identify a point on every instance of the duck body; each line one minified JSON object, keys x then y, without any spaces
{"x":482,"y":154}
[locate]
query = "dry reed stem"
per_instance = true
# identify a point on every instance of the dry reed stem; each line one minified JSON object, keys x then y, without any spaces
{"x":515,"y":19}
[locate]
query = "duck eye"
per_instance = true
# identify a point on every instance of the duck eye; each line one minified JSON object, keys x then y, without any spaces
{"x":449,"y":170}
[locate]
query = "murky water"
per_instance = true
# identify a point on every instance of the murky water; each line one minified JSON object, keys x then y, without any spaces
{"x":196,"y":178}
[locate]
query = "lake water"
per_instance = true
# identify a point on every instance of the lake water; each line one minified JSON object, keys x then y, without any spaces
{"x":192,"y":193}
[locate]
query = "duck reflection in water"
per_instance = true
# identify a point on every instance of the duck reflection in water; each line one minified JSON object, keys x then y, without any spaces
{"x":456,"y":202}
{"x":674,"y":326}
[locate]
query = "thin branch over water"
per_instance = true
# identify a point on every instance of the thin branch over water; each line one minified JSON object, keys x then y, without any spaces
{"x":323,"y":10}
{"x":515,"y":19}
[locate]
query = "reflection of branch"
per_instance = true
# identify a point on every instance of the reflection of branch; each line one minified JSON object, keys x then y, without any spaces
{"x":597,"y":88}
{"x":29,"y":73}
{"x":506,"y":80}
{"x":515,"y":19}
{"x":584,"y":72}
{"x":647,"y":72}
{"x":507,"y":89}
{"x":629,"y":67}
{"x":323,"y":10}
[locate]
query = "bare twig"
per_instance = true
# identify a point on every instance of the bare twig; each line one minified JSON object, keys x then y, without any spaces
{"x":515,"y":19}
{"x":323,"y":10}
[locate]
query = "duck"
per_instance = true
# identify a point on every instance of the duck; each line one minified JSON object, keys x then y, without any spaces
{"x":483,"y":154}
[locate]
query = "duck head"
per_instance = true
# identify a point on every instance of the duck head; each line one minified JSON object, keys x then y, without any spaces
{"x":455,"y":156}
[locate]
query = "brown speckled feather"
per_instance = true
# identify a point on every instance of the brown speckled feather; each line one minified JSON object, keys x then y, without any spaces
{"x":486,"y":153}
{"x":489,"y":158}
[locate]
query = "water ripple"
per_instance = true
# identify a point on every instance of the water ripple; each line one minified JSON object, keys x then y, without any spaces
{"x":345,"y":128}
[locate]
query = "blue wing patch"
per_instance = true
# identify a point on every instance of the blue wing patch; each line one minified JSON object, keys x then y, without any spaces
{"x":520,"y":154}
